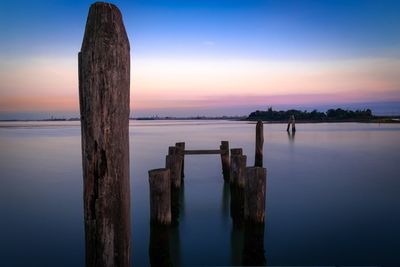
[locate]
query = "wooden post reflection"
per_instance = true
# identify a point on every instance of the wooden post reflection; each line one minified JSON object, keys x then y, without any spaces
{"x":159,"y":248}
{"x":253,"y":247}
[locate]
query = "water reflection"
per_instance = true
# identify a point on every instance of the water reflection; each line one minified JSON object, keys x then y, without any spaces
{"x":253,"y":245}
{"x":237,"y":205}
{"x":159,"y":248}
{"x":237,"y":239}
{"x":164,"y":248}
{"x":291,"y":136}
{"x":247,"y":239}
{"x":175,"y":245}
{"x":225,"y":200}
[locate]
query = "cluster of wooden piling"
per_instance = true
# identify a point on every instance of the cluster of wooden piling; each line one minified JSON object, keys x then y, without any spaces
{"x":293,"y":122}
{"x":164,"y":187}
{"x":248,"y":184}
{"x":247,"y":200}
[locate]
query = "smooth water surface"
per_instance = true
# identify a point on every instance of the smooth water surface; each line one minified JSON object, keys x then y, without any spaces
{"x":333,"y":193}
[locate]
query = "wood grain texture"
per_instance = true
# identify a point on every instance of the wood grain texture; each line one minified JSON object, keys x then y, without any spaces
{"x":174,"y":164}
{"x":160,"y":196}
{"x":204,"y":152}
{"x":225,"y":160}
{"x":238,"y":170}
{"x":104,"y":81}
{"x":258,"y":161}
{"x":255,"y":188}
{"x":181,"y":149}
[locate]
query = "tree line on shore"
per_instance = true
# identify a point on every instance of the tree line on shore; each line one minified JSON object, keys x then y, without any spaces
{"x":330,"y":115}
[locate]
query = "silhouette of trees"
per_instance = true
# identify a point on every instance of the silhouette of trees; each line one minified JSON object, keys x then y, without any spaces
{"x":331,"y":115}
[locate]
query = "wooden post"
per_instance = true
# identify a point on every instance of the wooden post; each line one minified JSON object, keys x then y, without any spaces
{"x":254,"y":203}
{"x":225,"y":160}
{"x":173,"y":163}
{"x":160,"y":196}
{"x":104,"y":81}
{"x":288,"y":125}
{"x":236,"y":151}
{"x":181,"y":147}
{"x":258,"y":161}
{"x":293,"y":124}
{"x":237,"y":183}
{"x":238,"y":168}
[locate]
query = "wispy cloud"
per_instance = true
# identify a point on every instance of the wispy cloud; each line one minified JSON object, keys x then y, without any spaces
{"x":208,"y":43}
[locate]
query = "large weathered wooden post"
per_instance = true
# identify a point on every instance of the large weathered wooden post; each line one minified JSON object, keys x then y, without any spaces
{"x":224,"y":147}
{"x":104,"y":80}
{"x":258,"y":161}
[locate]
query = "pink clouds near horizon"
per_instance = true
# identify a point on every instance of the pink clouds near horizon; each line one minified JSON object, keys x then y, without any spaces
{"x":50,"y":84}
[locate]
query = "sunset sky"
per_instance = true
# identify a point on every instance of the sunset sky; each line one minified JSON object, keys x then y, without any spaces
{"x":209,"y":57}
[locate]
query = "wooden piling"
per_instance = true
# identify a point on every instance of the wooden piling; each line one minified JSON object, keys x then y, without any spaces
{"x":293,"y":124}
{"x":225,"y":160}
{"x":104,"y":88}
{"x":258,"y":161}
{"x":237,"y":183}
{"x":238,"y":168}
{"x":236,"y":151}
{"x":255,"y":188}
{"x":173,"y":163}
{"x":160,"y":196}
{"x":181,"y":148}
{"x":288,"y":125}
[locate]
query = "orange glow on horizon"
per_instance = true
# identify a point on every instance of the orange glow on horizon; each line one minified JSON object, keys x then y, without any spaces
{"x":52,"y":84}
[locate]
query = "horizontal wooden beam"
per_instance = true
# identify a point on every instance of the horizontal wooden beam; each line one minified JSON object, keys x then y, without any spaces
{"x":203,"y":152}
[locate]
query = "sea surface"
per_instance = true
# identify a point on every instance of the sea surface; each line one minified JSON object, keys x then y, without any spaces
{"x":333,"y":193}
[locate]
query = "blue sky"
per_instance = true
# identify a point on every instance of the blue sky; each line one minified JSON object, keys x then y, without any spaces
{"x":187,"y":31}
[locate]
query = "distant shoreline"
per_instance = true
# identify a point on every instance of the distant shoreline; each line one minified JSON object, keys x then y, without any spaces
{"x":376,"y":119}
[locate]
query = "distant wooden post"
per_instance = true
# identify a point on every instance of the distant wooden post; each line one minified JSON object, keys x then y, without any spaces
{"x":291,"y":121}
{"x":225,"y":160}
{"x":104,"y":81}
{"x":293,"y":124}
{"x":181,"y":147}
{"x":160,"y":196}
{"x":254,"y":203}
{"x":258,"y":161}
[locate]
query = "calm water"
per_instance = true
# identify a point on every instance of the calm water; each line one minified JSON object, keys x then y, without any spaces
{"x":333,"y":193}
